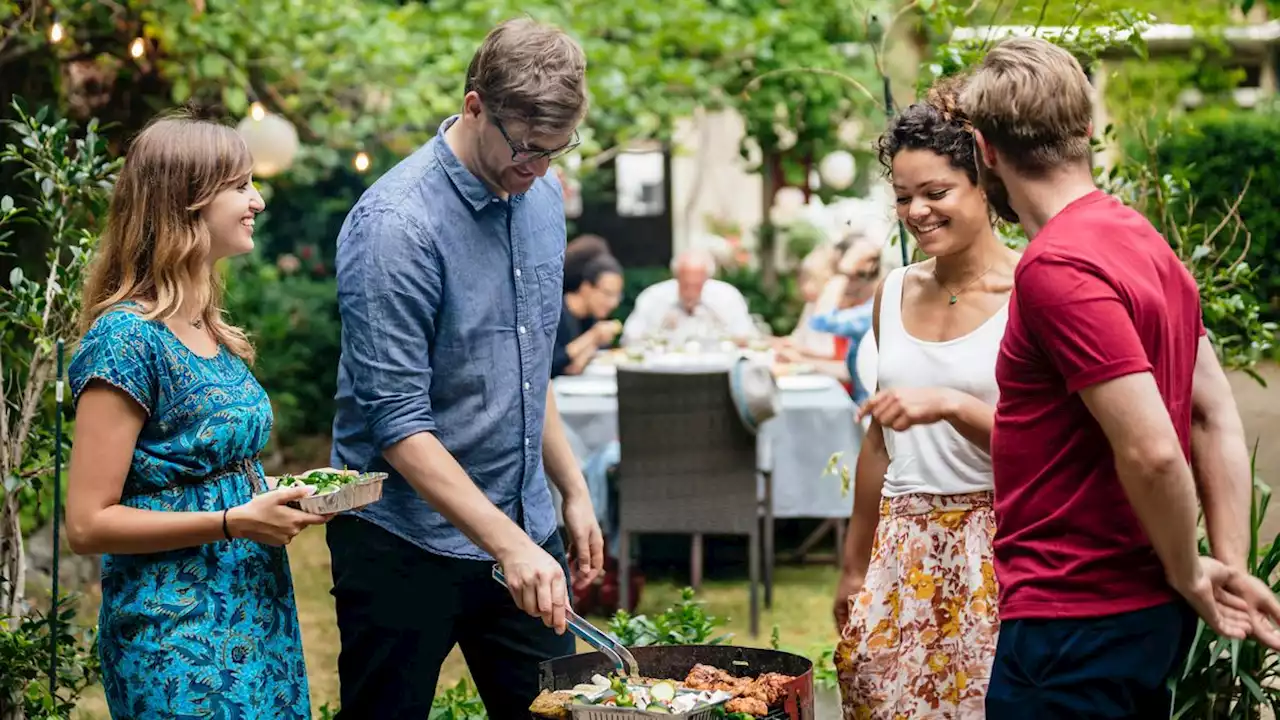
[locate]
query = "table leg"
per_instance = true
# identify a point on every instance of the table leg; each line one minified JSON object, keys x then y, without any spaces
{"x":695,"y":561}
{"x":768,"y":540}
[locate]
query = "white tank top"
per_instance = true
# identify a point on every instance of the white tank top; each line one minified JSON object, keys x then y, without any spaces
{"x":935,"y":459}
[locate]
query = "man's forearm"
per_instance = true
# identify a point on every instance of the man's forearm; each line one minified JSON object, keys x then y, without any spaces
{"x":1162,"y":494}
{"x":432,"y":470}
{"x":1220,"y":460}
{"x":557,"y":456}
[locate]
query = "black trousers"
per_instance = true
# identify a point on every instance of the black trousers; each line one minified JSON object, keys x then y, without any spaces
{"x":1114,"y":667}
{"x":402,"y":609}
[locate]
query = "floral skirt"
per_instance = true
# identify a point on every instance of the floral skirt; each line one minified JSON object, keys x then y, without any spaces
{"x":922,"y":632}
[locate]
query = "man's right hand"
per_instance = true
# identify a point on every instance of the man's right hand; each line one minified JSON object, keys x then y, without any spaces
{"x":1210,"y":594}
{"x":1264,"y":609}
{"x":537,"y":584}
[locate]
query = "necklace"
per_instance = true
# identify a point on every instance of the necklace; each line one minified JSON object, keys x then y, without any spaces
{"x":955,"y":294}
{"x":198,"y":324}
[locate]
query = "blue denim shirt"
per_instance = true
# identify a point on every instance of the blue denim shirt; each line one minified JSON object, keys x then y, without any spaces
{"x":450,"y":298}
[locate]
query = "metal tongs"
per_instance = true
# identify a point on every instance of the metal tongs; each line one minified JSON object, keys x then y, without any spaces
{"x":622,"y":658}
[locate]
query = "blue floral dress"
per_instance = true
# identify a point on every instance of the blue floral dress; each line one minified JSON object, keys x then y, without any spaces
{"x":208,"y":631}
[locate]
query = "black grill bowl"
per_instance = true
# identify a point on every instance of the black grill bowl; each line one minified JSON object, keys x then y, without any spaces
{"x":673,"y":662}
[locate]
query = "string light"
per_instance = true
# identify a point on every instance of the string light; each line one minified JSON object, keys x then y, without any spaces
{"x":361,"y":161}
{"x":56,"y":32}
{"x":138,"y":48}
{"x":257,"y":112}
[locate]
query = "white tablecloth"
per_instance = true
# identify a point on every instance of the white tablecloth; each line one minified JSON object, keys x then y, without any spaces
{"x":796,"y":445}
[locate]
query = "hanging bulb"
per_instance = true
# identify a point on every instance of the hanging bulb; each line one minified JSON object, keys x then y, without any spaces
{"x":256,"y":111}
{"x":138,"y":48}
{"x":56,"y":33}
{"x":361,"y":161}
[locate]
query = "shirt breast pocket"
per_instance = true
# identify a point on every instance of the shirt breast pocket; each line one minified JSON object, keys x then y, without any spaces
{"x":550,"y":295}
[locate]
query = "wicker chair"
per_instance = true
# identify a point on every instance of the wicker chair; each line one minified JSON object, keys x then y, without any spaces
{"x":688,"y":466}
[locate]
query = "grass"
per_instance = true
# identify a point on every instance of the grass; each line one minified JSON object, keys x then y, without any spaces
{"x":801,"y":611}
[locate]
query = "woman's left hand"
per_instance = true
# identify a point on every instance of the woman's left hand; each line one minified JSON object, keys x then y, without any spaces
{"x":902,"y":408}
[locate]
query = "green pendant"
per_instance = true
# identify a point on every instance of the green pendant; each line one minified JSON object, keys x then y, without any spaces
{"x":954,"y":298}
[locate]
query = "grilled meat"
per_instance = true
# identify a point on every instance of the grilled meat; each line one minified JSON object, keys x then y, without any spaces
{"x":751,"y":706}
{"x":552,"y":705}
{"x":753,"y":696}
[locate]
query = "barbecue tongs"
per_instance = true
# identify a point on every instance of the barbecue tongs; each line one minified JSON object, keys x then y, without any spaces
{"x":622,"y":658}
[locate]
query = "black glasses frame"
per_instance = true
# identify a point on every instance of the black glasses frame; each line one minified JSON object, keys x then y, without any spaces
{"x":521,"y":155}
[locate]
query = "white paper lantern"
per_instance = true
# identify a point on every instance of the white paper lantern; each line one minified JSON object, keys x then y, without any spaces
{"x":787,"y":137}
{"x":787,"y":204}
{"x":838,"y":169}
{"x":272,"y":141}
{"x":850,"y":132}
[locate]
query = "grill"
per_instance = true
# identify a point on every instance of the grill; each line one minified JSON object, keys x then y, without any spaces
{"x":674,"y":662}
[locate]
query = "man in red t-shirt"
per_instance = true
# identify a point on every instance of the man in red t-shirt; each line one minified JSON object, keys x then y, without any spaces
{"x":1108,"y":389}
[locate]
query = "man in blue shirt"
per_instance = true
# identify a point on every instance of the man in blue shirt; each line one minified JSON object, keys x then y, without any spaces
{"x":450,"y":271}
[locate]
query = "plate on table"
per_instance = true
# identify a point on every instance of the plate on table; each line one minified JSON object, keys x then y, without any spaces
{"x":804,"y":382}
{"x":599,"y":369}
{"x":598,"y":387}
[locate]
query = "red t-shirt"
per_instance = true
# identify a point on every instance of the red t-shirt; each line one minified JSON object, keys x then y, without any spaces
{"x":1098,"y":294}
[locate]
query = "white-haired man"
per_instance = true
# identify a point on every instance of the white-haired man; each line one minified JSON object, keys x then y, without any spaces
{"x":691,"y":306}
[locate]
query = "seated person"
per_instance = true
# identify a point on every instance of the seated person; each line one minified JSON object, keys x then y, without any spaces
{"x":584,"y":327}
{"x":854,"y":290}
{"x":577,"y":253}
{"x":690,"y":306}
{"x":816,"y":271}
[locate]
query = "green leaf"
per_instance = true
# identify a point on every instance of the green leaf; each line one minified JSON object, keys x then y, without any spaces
{"x":15,"y":277}
{"x":6,"y":204}
{"x":180,"y":92}
{"x":1253,"y":687}
{"x":235,"y":99}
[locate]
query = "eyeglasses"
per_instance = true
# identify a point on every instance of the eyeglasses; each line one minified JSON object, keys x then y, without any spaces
{"x":521,"y":154}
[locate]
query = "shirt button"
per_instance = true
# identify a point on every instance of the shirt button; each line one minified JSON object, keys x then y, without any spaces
{"x":522,"y":330}
{"x":526,"y":386}
{"x":526,"y":442}
{"x":517,"y":272}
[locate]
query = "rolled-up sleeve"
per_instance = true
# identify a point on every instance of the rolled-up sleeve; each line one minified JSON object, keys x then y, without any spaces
{"x":389,"y":288}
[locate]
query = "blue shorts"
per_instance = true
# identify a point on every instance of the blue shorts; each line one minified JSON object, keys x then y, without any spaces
{"x":1117,"y":666}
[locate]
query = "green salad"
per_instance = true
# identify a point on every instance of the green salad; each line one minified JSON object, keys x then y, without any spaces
{"x":325,"y":482}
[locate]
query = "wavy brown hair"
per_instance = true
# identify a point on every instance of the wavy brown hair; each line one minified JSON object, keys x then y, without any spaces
{"x":155,"y":250}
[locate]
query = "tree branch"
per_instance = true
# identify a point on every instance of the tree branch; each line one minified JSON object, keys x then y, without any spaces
{"x":757,"y":80}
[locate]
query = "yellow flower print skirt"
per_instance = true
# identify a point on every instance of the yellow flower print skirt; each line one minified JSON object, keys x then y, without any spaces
{"x":922,"y":632}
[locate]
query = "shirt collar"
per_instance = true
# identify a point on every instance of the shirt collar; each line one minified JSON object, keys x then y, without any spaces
{"x":472,"y":188}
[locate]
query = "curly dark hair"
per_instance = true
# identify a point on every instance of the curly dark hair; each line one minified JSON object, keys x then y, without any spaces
{"x":936,"y":124}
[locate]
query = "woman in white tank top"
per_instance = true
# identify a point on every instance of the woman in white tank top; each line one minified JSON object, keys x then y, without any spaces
{"x":916,"y":605}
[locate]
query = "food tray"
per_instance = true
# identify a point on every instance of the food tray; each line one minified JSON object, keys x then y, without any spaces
{"x":365,"y":490}
{"x":595,"y":712}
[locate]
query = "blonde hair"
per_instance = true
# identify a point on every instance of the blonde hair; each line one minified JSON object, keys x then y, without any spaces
{"x":1032,"y":101}
{"x":155,"y":248}
{"x":531,"y":73}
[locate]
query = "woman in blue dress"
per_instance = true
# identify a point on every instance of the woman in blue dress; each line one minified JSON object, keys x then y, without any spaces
{"x":198,"y":616}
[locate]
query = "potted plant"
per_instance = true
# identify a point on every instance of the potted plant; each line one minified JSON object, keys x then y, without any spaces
{"x":1234,"y":679}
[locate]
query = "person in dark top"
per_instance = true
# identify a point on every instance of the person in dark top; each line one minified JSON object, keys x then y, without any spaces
{"x":577,"y":253}
{"x":584,"y":327}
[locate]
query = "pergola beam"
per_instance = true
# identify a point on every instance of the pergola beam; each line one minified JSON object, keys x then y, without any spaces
{"x":1162,"y":39}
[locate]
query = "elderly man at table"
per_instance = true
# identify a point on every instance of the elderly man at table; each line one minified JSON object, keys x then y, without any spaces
{"x":691,"y":306}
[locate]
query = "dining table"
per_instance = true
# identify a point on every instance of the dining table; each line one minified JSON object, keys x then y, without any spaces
{"x":817,"y":419}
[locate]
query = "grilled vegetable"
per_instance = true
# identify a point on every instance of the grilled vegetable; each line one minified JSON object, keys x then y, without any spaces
{"x":663,"y":692}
